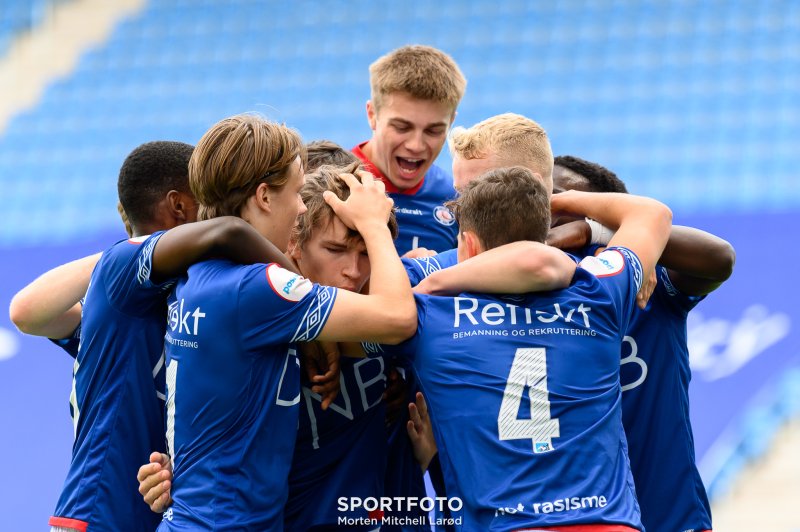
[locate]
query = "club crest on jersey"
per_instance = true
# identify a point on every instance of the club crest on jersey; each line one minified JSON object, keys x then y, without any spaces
{"x":286,"y":284}
{"x":444,"y":215}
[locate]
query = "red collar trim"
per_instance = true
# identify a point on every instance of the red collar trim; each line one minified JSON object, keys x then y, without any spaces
{"x":358,"y":151}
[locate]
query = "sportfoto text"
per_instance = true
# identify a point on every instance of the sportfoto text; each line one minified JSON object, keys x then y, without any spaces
{"x":399,"y":504}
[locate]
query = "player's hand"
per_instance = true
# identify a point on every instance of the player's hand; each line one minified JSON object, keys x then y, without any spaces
{"x":420,"y":432}
{"x":321,"y":363}
{"x":649,"y":282}
{"x":368,"y":203}
{"x":419,"y":253}
{"x":394,"y":396}
{"x":423,"y":287}
{"x":571,"y":235}
{"x":155,"y":481}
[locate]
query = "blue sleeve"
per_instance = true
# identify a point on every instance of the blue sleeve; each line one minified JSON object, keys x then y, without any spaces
{"x":69,"y":344}
{"x":620,"y":272}
{"x":419,"y":269}
{"x":126,"y":270}
{"x":278,"y":306}
{"x":681,"y":302}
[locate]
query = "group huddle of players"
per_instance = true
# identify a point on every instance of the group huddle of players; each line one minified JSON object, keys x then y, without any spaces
{"x":277,"y":369}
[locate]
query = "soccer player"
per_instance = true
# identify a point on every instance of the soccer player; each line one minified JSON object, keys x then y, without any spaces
{"x":523,"y":390}
{"x":340,"y":451}
{"x":415,"y":91}
{"x":117,"y":335}
{"x":233,"y":374}
{"x":502,"y":140}
{"x":655,"y":371}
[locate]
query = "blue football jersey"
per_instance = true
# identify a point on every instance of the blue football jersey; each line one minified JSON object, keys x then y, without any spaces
{"x":404,"y":477}
{"x":340,"y":452}
{"x":418,"y":269}
{"x":525,"y":401}
{"x":233,"y":382}
{"x":422,"y":219}
{"x":117,"y":398}
{"x":655,"y":378}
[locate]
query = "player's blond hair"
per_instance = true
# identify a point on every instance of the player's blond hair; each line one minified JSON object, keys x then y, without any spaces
{"x":235,"y":156}
{"x":318,"y":213}
{"x":422,"y":72}
{"x":514,"y":139}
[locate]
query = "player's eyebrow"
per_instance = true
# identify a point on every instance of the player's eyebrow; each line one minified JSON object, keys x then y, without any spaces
{"x":397,"y":121}
{"x":334,"y":244}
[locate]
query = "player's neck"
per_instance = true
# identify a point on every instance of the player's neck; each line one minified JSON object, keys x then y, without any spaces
{"x":367,"y":150}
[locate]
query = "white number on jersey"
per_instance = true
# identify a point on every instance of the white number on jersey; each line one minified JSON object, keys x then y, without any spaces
{"x":288,"y":396}
{"x":172,"y":377}
{"x":73,"y":398}
{"x":529,"y":370}
{"x":633,"y":358}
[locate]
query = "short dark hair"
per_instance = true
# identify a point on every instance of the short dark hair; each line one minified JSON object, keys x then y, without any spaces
{"x":503,"y":206}
{"x":600,"y":178}
{"x":149,"y":172}
{"x":326,"y":152}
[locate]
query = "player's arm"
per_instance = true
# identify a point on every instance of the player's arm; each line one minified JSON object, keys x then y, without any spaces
{"x":227,"y":237}
{"x":698,"y":262}
{"x":50,"y":305}
{"x":642,"y":224}
{"x":514,"y":268}
{"x":388,"y":314}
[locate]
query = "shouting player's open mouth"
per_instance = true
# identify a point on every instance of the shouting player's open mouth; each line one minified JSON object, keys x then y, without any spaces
{"x":409,"y":168}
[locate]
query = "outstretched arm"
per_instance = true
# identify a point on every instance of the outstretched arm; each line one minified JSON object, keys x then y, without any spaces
{"x":642,"y":224}
{"x":698,"y":262}
{"x":514,"y":268}
{"x":226,"y":237}
{"x":50,"y":305}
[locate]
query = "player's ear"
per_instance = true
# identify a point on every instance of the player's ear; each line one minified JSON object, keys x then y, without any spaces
{"x":472,"y":244}
{"x":262,"y":197}
{"x":177,"y":206}
{"x":372,"y":115}
{"x":294,"y":250}
{"x":182,"y":207}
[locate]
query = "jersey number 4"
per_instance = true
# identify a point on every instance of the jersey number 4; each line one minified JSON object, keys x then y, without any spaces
{"x":528,"y":372}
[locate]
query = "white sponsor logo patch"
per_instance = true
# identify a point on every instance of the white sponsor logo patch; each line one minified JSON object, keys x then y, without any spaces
{"x":286,"y":284}
{"x":609,"y":262}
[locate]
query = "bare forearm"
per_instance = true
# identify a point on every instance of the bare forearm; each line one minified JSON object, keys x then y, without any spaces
{"x":511,"y":269}
{"x":226,"y":237}
{"x":49,"y":306}
{"x":388,"y":280}
{"x":642,"y":224}
{"x":697,"y":253}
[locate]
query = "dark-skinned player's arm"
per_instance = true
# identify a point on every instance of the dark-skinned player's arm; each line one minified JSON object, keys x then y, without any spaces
{"x":226,"y":237}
